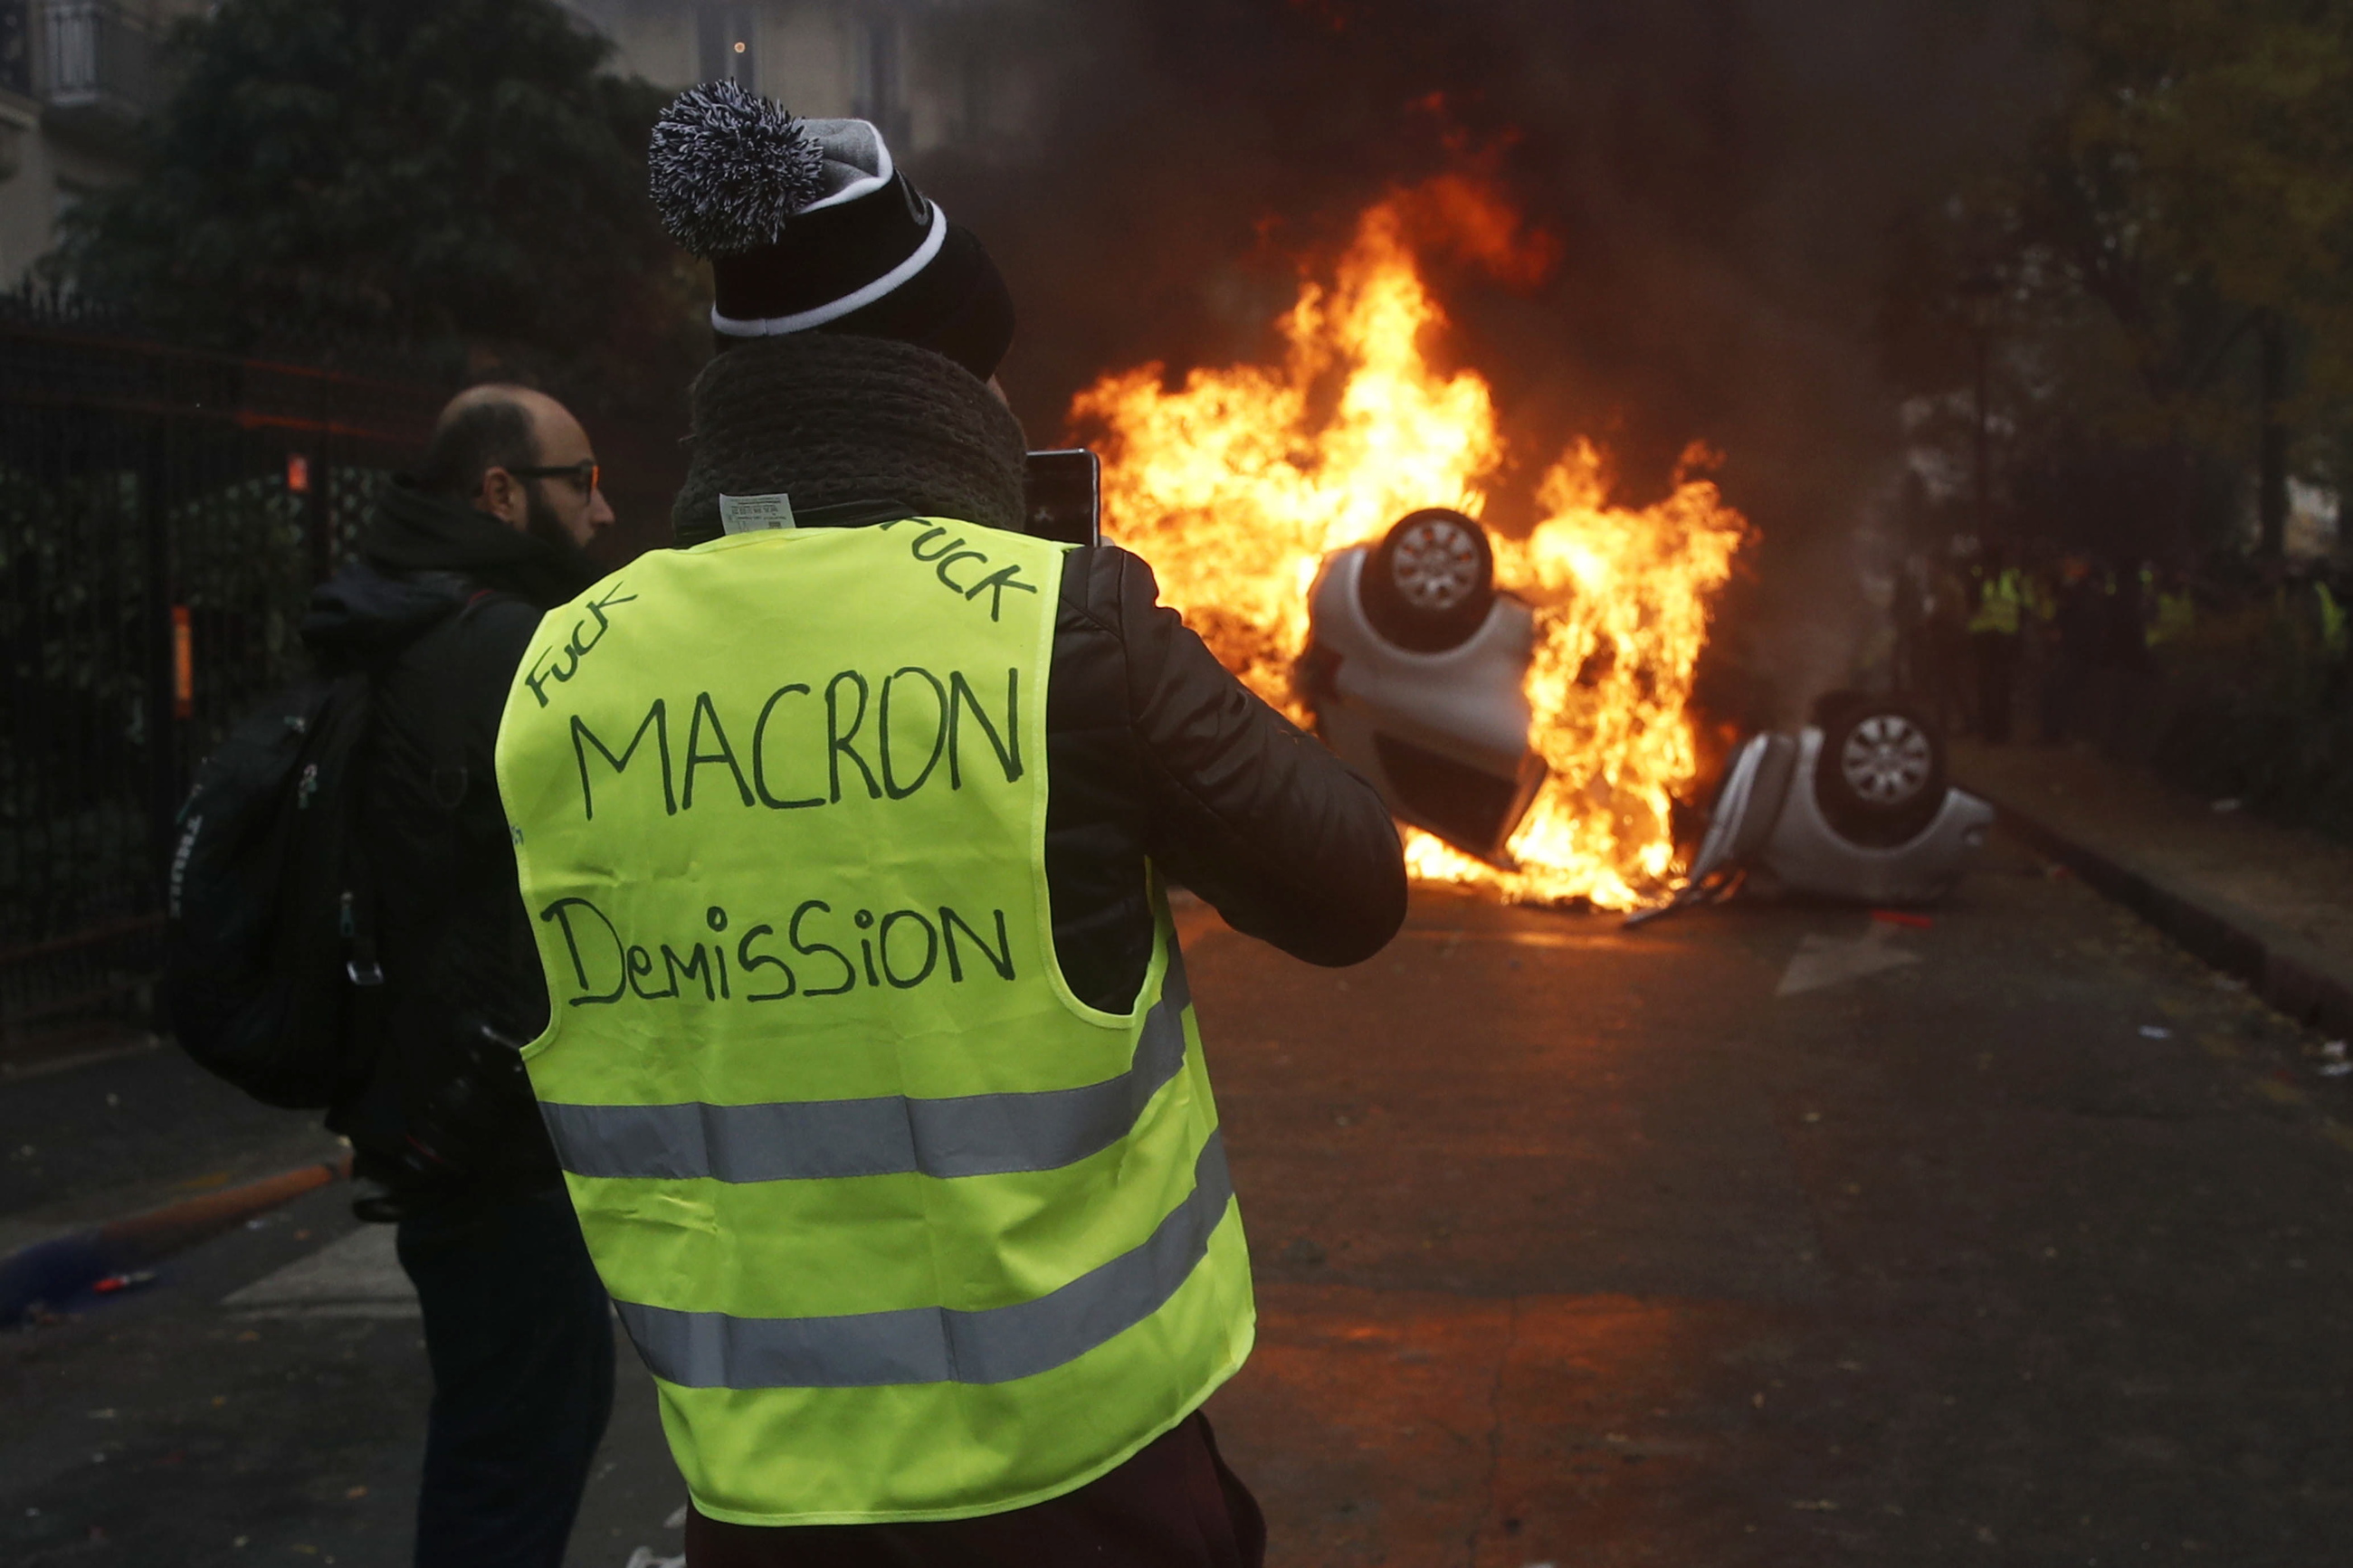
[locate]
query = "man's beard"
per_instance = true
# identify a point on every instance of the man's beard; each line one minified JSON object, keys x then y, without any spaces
{"x":540,"y":520}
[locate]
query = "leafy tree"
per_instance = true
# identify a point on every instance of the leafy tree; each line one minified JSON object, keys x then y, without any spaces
{"x":439,"y":174}
{"x":2209,"y":149}
{"x":2168,"y":264}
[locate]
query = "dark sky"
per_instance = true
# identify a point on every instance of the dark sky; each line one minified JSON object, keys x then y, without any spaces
{"x":1721,"y":175}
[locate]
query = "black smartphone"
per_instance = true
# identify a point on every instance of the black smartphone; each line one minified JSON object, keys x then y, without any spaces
{"x":1065,"y":496}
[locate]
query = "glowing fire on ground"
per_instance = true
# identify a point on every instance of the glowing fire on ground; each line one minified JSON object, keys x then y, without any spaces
{"x":1238,"y":484}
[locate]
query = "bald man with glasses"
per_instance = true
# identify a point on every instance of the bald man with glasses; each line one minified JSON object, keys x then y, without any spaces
{"x":447,"y":591}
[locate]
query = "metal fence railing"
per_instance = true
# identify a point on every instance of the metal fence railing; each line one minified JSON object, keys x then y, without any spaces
{"x":163,"y":514}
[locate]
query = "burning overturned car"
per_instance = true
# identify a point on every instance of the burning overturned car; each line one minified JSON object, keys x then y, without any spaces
{"x":1414,"y":672}
{"x":1523,"y":699}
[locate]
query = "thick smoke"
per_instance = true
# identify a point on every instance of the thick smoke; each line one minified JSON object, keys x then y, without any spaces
{"x":1721,"y":175}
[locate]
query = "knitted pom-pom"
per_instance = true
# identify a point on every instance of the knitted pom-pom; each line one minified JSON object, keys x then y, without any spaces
{"x":728,"y":168}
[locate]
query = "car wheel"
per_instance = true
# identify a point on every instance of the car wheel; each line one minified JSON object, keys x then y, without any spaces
{"x":1431,"y":580}
{"x":1881,"y":776}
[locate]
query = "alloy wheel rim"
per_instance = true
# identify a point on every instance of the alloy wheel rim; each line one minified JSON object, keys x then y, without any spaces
{"x":1886,"y":760}
{"x":1435,"y":564}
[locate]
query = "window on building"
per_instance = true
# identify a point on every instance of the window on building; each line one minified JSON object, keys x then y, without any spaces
{"x":16,"y":47}
{"x":724,"y":36}
{"x":881,"y":87}
{"x":977,"y":105}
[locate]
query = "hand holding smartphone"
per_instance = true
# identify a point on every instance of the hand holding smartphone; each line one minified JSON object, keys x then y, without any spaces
{"x":1064,"y":492}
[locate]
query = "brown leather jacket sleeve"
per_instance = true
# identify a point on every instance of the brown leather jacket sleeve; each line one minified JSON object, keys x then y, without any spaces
{"x":1156,"y":750}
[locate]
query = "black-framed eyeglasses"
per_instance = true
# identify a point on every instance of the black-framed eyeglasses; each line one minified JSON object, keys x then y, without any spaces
{"x":584,"y":473}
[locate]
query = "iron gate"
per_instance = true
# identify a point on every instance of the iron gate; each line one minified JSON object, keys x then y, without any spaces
{"x":164,"y":513}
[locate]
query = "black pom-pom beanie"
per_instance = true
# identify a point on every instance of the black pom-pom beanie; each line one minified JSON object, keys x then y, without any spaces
{"x":810,"y":226}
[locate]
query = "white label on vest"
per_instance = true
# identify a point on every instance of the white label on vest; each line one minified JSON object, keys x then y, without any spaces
{"x":750,"y":514}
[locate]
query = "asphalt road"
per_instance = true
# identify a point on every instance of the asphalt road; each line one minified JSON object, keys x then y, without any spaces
{"x":1767,"y":1235}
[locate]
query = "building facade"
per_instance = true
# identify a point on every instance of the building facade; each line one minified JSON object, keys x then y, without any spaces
{"x":930,"y":73}
{"x":75,"y":77}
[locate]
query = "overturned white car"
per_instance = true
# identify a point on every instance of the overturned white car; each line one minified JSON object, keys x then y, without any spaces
{"x":1413,"y":672}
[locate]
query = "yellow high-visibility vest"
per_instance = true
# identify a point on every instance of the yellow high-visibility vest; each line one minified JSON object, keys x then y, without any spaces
{"x":1999,"y":605}
{"x":2332,"y":621}
{"x":2176,"y":616}
{"x":904,"y":1229}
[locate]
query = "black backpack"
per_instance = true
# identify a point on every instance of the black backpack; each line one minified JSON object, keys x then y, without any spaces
{"x":271,"y":975}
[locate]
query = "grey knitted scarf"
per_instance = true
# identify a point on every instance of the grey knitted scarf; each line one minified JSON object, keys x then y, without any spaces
{"x":830,"y":417}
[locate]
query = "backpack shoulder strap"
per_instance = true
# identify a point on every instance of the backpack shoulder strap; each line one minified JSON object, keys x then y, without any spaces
{"x":446,"y":653}
{"x":356,"y":919}
{"x":358,"y":916}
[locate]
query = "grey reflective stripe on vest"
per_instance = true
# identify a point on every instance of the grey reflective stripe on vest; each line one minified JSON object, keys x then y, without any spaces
{"x":816,"y":1140}
{"x":936,"y":1344}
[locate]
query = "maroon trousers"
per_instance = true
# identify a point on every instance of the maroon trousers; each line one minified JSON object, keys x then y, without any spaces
{"x":1174,"y":1505}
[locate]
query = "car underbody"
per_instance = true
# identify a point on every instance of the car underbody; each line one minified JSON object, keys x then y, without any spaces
{"x":1414,"y":672}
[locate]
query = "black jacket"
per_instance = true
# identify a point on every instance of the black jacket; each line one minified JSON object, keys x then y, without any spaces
{"x":442,"y":605}
{"x":1153,"y":753}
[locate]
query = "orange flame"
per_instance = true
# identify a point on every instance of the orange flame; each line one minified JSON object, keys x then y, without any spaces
{"x":1236,"y":485}
{"x":1467,"y":216}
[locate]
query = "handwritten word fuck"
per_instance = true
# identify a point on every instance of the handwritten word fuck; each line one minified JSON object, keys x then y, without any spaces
{"x":962,"y":569}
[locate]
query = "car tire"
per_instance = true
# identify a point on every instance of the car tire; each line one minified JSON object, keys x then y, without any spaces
{"x":1881,"y":774}
{"x":1430,"y":584}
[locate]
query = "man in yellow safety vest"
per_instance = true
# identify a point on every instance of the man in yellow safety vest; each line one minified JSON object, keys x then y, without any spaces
{"x":1994,"y":627}
{"x":844,"y":828}
{"x":2176,"y":609}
